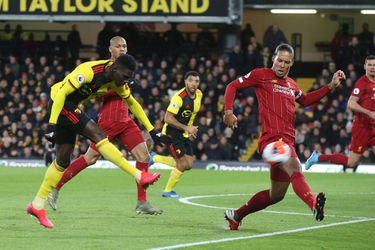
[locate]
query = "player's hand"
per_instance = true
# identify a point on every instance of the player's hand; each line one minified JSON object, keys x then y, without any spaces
{"x":158,"y":138}
{"x":371,"y":115}
{"x":192,"y":131}
{"x":50,"y":134}
{"x":230,"y":119}
{"x":336,"y":79}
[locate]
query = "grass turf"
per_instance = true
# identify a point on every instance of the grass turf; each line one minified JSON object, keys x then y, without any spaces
{"x":96,"y":211}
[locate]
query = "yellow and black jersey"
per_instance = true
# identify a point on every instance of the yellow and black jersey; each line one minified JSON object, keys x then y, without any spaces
{"x":86,"y":81}
{"x":185,"y":110}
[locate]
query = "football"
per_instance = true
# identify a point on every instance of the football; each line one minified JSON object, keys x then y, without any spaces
{"x":277,"y":152}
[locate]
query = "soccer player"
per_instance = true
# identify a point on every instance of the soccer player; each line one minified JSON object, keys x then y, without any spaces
{"x":179,"y":128}
{"x":115,"y":121}
{"x":277,"y":93}
{"x":88,"y":80}
{"x":362,"y":103}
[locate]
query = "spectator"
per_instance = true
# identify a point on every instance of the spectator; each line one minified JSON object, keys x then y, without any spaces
{"x":74,"y":43}
{"x":246,"y":34}
{"x":273,"y":37}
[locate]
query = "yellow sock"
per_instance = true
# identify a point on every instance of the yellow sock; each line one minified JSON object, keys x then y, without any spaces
{"x":167,"y":160}
{"x":111,"y":153}
{"x":51,"y":178}
{"x":173,"y":179}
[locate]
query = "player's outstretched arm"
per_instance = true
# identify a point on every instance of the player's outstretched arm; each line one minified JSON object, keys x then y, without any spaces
{"x":314,"y":96}
{"x":138,"y":112}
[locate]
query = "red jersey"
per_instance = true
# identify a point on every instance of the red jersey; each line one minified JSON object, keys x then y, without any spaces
{"x":276,"y":98}
{"x":364,"y":89}
{"x":113,"y":108}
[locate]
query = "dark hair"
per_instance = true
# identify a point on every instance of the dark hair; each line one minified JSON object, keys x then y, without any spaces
{"x":284,"y":47}
{"x":369,"y":57}
{"x":191,"y":73}
{"x":126,"y":61}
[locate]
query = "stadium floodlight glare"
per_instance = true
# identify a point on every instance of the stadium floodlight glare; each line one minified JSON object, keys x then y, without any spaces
{"x":293,"y":11}
{"x":368,"y":12}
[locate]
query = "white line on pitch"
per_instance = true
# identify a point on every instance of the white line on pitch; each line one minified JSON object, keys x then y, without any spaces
{"x":260,"y":235}
{"x":186,"y":200}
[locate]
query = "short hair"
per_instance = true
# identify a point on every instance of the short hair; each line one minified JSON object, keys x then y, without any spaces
{"x":126,"y":61}
{"x":191,"y":73}
{"x":369,"y":57}
{"x":284,"y":47}
{"x":113,"y":39}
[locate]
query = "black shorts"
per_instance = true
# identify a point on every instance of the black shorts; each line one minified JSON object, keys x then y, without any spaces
{"x":71,"y":122}
{"x":179,"y":146}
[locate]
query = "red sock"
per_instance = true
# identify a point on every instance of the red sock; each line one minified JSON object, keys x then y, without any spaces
{"x":141,"y":191}
{"x":335,"y":159}
{"x":74,"y":168}
{"x":302,"y":189}
{"x":259,"y":201}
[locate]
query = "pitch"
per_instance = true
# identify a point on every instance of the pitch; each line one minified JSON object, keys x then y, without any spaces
{"x":96,"y":211}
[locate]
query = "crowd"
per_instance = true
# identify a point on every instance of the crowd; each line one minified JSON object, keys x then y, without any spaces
{"x":27,"y":74}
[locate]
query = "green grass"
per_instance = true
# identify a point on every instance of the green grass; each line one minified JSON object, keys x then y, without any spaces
{"x":96,"y":211}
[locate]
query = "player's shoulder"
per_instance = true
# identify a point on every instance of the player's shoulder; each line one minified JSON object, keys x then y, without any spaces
{"x":361,"y":81}
{"x":199,"y":93}
{"x":262,"y":73}
{"x":290,"y":80}
{"x":181,"y":94}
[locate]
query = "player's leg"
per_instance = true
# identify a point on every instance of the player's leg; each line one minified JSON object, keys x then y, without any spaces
{"x":51,"y":178}
{"x":111,"y":153}
{"x":76,"y":166}
{"x":183,"y":153}
{"x":133,"y":141}
{"x":279,"y":186}
{"x":353,"y":160}
{"x":165,"y":159}
{"x":302,"y":189}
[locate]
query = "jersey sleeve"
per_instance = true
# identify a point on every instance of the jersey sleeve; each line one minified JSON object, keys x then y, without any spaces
{"x":123,"y":91}
{"x":357,"y":90}
{"x":175,"y":104}
{"x":253,"y":79}
{"x":80,"y":75}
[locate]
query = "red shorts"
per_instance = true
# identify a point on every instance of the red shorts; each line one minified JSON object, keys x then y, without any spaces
{"x":276,"y":172}
{"x":127,"y":132}
{"x":362,"y":138}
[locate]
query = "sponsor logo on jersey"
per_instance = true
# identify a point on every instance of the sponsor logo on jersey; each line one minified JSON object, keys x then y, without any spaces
{"x":174,"y":105}
{"x":356,"y":91}
{"x":283,"y":89}
{"x":186,"y":113}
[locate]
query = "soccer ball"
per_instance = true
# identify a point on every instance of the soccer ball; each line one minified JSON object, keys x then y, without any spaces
{"x":277,"y":152}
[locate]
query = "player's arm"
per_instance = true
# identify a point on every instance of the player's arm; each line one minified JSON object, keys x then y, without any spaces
{"x":354,"y":106}
{"x":314,"y":96}
{"x":59,"y":101}
{"x":252,"y":79}
{"x":72,"y":82}
{"x":138,"y":112}
{"x":170,"y":117}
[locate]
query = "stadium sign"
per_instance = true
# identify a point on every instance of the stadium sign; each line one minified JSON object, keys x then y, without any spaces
{"x":207,"y":11}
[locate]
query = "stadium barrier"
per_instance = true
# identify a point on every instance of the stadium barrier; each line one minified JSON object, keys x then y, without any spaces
{"x":208,"y":165}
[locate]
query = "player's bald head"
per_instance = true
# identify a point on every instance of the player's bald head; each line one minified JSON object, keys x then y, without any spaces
{"x":116,"y":39}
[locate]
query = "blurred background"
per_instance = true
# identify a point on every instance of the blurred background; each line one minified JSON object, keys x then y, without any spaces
{"x":41,"y":42}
